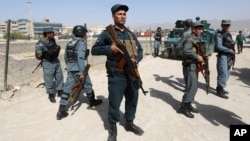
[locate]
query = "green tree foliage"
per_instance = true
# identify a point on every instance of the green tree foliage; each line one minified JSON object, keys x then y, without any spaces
{"x":15,"y":35}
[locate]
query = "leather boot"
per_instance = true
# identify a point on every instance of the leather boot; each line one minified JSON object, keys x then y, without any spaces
{"x":130,"y":126}
{"x":220,"y":93}
{"x":112,"y":132}
{"x":184,"y":109}
{"x":92,"y":101}
{"x":154,"y":52}
{"x":62,"y":112}
{"x":224,"y":91}
{"x":52,"y":98}
{"x":157,"y":52}
{"x":59,"y":93}
{"x":191,"y":108}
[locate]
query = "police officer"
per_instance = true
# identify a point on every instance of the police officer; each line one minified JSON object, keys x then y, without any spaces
{"x":191,"y":58}
{"x":119,"y":83}
{"x":188,"y":24}
{"x":239,"y":40}
{"x":48,"y":51}
{"x":224,"y":45}
{"x":76,"y":53}
{"x":157,"y":41}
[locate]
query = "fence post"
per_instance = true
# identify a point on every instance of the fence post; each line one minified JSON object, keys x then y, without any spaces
{"x":7,"y":56}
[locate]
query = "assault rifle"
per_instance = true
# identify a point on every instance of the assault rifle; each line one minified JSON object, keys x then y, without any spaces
{"x":132,"y":66}
{"x":232,"y":61}
{"x":77,"y":87}
{"x":203,"y":67}
{"x":38,"y":65}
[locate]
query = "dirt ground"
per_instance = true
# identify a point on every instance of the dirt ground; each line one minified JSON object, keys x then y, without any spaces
{"x":27,"y":115}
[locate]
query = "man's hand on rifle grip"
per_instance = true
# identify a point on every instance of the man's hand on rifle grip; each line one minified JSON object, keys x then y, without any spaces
{"x":115,"y":49}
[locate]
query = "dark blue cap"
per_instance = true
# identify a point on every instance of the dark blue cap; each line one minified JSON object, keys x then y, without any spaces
{"x":227,"y":22}
{"x":197,"y":24}
{"x":47,"y":29}
{"x":119,"y":7}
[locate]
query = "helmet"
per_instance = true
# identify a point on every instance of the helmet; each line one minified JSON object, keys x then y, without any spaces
{"x":79,"y":30}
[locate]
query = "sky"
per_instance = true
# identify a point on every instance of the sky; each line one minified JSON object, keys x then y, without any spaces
{"x":97,"y":12}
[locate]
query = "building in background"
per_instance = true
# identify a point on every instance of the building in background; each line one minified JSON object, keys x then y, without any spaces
{"x":30,"y":28}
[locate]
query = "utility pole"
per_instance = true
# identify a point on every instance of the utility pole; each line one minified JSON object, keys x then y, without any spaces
{"x":6,"y":56}
{"x":31,"y":22}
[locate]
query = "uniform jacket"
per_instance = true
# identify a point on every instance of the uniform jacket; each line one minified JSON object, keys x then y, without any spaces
{"x":240,"y":38}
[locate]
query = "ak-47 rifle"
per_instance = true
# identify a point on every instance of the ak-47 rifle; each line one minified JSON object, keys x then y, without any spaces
{"x":132,"y":66}
{"x":233,"y":59}
{"x":38,"y":65}
{"x":77,"y":87}
{"x":203,"y":67}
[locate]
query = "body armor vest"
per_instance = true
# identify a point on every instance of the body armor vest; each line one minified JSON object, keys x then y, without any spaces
{"x":52,"y":51}
{"x":158,"y":35}
{"x":227,"y":40}
{"x":130,"y":46}
{"x":71,"y":51}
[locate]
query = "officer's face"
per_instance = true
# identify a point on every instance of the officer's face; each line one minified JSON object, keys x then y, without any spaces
{"x":225,"y":27}
{"x":119,"y":17}
{"x":197,"y":31}
{"x":51,"y":35}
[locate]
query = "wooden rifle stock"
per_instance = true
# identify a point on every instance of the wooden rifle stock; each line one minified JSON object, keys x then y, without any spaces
{"x":203,"y":68}
{"x":77,"y":87}
{"x":38,"y":65}
{"x":132,"y":66}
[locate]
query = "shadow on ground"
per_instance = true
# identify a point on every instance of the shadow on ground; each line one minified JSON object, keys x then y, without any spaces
{"x":215,"y":115}
{"x":218,"y":116}
{"x":243,"y":75}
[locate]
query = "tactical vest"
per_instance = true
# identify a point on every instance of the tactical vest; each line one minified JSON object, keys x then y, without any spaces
{"x":130,"y":46}
{"x":198,"y":47}
{"x":71,"y":51}
{"x":227,"y":40}
{"x":158,"y":35}
{"x":52,"y":51}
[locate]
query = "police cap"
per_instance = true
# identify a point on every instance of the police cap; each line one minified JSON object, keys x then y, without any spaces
{"x":119,"y":7}
{"x":48,"y":29}
{"x":197,"y":24}
{"x":188,"y":22}
{"x":226,"y":22}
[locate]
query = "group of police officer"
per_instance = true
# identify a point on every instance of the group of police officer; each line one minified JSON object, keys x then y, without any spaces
{"x":119,"y":83}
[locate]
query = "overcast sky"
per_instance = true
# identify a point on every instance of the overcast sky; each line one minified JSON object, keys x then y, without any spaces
{"x":97,"y":12}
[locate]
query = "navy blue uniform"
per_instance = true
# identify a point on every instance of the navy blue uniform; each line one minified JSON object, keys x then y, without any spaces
{"x":51,"y":67}
{"x":119,"y":84}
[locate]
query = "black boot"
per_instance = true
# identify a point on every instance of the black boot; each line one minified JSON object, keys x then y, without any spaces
{"x":112,"y":132}
{"x":191,"y":108}
{"x":154,"y":52}
{"x":62,"y":112}
{"x":184,"y":109}
{"x":92,"y":101}
{"x":220,"y":93}
{"x":157,"y":52}
{"x":130,"y":126}
{"x":59,"y":93}
{"x":224,"y":91}
{"x":52,"y":98}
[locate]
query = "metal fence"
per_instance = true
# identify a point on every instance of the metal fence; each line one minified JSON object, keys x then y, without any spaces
{"x":22,"y":61}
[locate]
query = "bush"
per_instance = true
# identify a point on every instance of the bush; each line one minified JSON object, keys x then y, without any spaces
{"x":15,"y":35}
